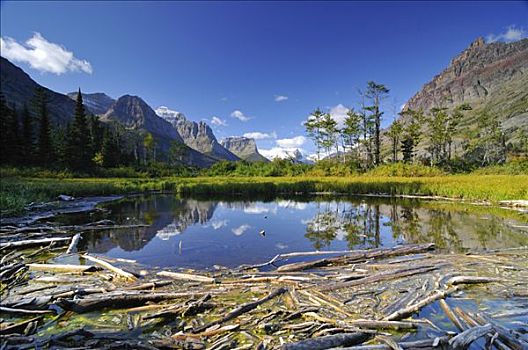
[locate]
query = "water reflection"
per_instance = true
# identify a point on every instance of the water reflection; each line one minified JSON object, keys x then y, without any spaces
{"x":200,"y":233}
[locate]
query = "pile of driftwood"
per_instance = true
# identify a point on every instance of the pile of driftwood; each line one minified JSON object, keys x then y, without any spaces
{"x":406,"y":297}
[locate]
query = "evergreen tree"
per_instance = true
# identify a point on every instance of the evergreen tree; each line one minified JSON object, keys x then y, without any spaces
{"x":313,"y":129}
{"x":376,"y":92}
{"x":28,"y":146}
{"x":79,"y":149}
{"x":8,"y":133}
{"x":110,"y":151}
{"x":394,"y":133}
{"x":351,"y":131}
{"x":45,"y":151}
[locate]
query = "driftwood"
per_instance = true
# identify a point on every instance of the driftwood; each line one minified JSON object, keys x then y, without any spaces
{"x":242,"y":309}
{"x":73,"y":244}
{"x":108,"y":266}
{"x":409,"y":310}
{"x":451,"y":315}
{"x":9,"y":310}
{"x":33,"y":242}
{"x":115,"y":301}
{"x":186,"y":276}
{"x":357,"y":256}
{"x":64,"y":268}
{"x":418,"y":344}
{"x":383,"y":276}
{"x":327,"y":342}
{"x":464,"y":339}
{"x":471,"y":280}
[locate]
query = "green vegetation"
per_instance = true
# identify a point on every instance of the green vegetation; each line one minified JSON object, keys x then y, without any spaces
{"x":17,"y":192}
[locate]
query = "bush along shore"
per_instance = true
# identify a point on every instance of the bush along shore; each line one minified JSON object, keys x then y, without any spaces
{"x":19,"y":192}
{"x":406,"y":297}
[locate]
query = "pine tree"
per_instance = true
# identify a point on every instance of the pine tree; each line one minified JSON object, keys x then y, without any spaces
{"x":28,"y":146}
{"x":79,"y":150}
{"x":110,"y":151}
{"x":45,"y":151}
{"x":7,"y":132}
{"x":376,"y":92}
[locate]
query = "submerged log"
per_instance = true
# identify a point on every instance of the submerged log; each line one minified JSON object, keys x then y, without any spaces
{"x":464,"y":339}
{"x":116,"y":301}
{"x":417,"y":344}
{"x":328,"y":341}
{"x":241,"y":310}
{"x":409,"y":310}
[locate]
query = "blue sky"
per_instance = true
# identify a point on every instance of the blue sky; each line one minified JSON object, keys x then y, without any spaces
{"x":210,"y":59}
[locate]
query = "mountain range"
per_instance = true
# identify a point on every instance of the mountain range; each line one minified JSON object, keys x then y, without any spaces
{"x":131,"y":113}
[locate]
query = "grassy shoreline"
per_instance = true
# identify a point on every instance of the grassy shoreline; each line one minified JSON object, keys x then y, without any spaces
{"x":17,"y":192}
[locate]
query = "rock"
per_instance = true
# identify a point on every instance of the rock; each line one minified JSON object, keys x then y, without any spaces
{"x":198,"y":136}
{"x":65,"y":198}
{"x":98,"y":103}
{"x":245,"y":148}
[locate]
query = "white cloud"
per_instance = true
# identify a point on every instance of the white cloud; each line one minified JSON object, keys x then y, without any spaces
{"x":43,"y":55}
{"x":240,"y":230}
{"x":511,"y":34}
{"x":218,"y":122}
{"x":261,"y":135}
{"x":293,"y":142}
{"x":339,"y":114}
{"x":216,"y":224}
{"x":280,"y":98}
{"x":255,"y":209}
{"x":292,"y":204}
{"x":240,"y":116}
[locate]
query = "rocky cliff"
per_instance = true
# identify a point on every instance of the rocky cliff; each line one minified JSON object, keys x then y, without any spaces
{"x":491,"y":77}
{"x":198,"y":136}
{"x":97,"y":103}
{"x":244,"y":148}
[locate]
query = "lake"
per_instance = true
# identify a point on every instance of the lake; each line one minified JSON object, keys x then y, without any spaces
{"x":197,"y":233}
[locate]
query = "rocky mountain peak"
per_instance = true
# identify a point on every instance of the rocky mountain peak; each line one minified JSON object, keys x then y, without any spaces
{"x":97,"y":103}
{"x":199,"y":136}
{"x":244,"y":147}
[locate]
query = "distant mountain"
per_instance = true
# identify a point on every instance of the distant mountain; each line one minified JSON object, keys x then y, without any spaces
{"x":491,"y":77}
{"x":245,"y":148}
{"x":97,"y":103}
{"x":136,"y":114}
{"x":198,"y":136}
{"x":18,"y":89}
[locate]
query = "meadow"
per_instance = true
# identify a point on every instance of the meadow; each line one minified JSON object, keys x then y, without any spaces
{"x":16,"y":192}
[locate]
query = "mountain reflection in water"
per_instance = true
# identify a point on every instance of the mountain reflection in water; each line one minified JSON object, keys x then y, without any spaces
{"x":201,"y":233}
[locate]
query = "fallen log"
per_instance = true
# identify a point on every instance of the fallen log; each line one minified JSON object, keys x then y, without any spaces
{"x":33,"y":242}
{"x":241,"y":310}
{"x":383,"y":276}
{"x":409,"y":310}
{"x":17,"y":327}
{"x":10,"y":310}
{"x":116,"y":301}
{"x":73,"y":243}
{"x":328,"y":341}
{"x":464,"y":339}
{"x":417,"y":344}
{"x":63,"y":267}
{"x":471,"y":280}
{"x":357,"y":256}
{"x":186,"y":276}
{"x":108,"y":266}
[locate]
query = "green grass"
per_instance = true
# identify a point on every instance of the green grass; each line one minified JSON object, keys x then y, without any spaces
{"x":17,"y":192}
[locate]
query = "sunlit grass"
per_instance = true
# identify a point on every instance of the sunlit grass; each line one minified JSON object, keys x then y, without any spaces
{"x":17,"y":192}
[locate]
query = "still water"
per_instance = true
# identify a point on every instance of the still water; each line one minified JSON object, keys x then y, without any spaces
{"x":199,"y":234}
